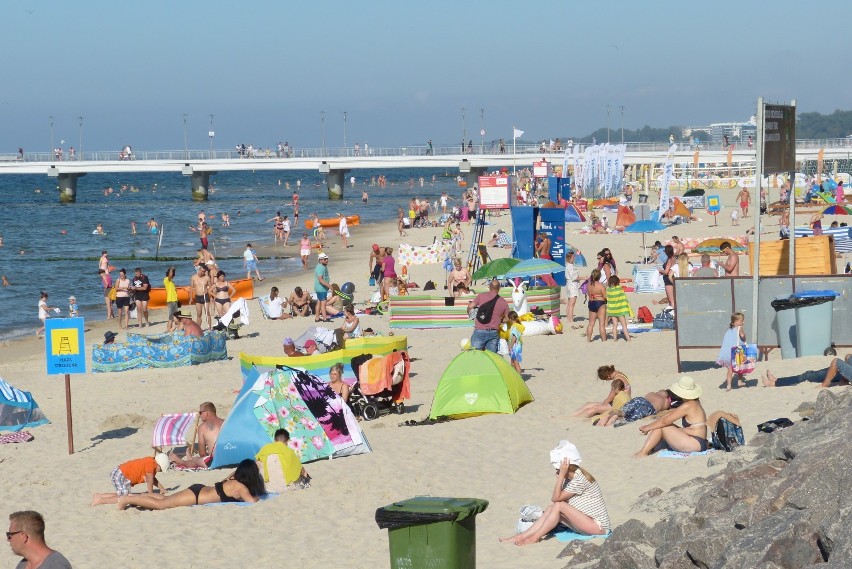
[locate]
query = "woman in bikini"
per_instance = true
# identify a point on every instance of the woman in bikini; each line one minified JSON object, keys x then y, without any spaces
{"x":666,"y":271}
{"x":597,"y":306}
{"x":305,"y":250}
{"x":244,"y":485}
{"x":336,"y":383}
{"x":222,"y":291}
{"x":605,"y":373}
{"x":122,"y":299}
{"x":691,"y":436}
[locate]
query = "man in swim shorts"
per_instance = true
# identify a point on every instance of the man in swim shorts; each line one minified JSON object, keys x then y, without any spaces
{"x":200,"y":285}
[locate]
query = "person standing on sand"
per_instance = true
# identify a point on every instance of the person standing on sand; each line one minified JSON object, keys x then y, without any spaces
{"x":285,"y":223}
{"x":377,"y":254}
{"x":200,"y":285}
{"x":26,"y":538}
{"x":305,"y":250}
{"x":732,"y":263}
{"x":343,"y":229}
{"x":322,"y":282}
{"x":171,"y":300}
{"x":744,"y":199}
{"x":250,"y":262}
{"x":141,"y":293}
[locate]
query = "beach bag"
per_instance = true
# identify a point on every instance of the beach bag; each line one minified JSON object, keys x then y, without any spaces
{"x":645,"y":315}
{"x":744,"y":359}
{"x":529,"y":515}
{"x":637,"y":408}
{"x":372,"y":281}
{"x":486,"y":311}
{"x":774,"y":425}
{"x":113,"y":293}
{"x":727,"y":436}
{"x":664,"y":320}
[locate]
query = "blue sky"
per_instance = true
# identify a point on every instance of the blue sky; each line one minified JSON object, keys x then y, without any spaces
{"x":402,"y":70}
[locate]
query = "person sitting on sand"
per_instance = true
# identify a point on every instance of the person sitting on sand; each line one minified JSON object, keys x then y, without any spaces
{"x":131,"y":473}
{"x":244,"y":485}
{"x":336,"y":383}
{"x":663,"y":433}
{"x":351,"y":327}
{"x":577,"y":502}
{"x":605,"y":373}
{"x":621,"y":398}
{"x":208,"y":432}
{"x":840,"y":370}
{"x":187,"y":325}
{"x":289,"y":347}
{"x":300,"y":302}
{"x":292,"y":476}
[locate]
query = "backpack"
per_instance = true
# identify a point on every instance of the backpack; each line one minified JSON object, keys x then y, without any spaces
{"x":644,"y":315}
{"x":486,"y":310}
{"x":726,"y":436}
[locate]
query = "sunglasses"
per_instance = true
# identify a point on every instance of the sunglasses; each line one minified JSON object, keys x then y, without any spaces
{"x":9,"y":534}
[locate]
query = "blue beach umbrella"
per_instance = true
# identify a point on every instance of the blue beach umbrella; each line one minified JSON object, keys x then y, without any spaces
{"x":644,"y":226}
{"x":534,"y":267}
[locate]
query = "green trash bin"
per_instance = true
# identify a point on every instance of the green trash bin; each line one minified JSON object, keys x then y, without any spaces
{"x":813,"y":321}
{"x":430,"y":532}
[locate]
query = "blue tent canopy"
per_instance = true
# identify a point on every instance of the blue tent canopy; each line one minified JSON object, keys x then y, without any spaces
{"x":18,"y":409}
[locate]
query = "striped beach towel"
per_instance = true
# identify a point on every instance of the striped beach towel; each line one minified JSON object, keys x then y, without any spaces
{"x":171,"y":429}
{"x":842,"y":236}
{"x":616,"y":302}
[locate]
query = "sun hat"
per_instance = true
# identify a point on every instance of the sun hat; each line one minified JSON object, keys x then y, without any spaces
{"x":109,"y":336}
{"x":565,"y":449}
{"x":162,"y":461}
{"x":288,"y":341}
{"x":322,"y":256}
{"x":685,"y":388}
{"x":183,"y":314}
{"x":72,"y":298}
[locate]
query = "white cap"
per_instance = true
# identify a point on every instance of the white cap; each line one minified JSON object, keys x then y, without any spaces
{"x":162,"y":461}
{"x":322,"y":256}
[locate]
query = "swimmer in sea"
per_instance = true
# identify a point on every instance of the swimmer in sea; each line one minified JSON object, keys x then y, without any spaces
{"x":5,"y":281}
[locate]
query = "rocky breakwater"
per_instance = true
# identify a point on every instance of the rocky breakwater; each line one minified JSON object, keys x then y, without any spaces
{"x":782,"y":501}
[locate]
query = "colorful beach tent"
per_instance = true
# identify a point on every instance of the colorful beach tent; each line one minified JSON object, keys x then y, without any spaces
{"x":625,"y":217}
{"x":572,"y":214}
{"x":478,"y":382}
{"x":319,"y":422}
{"x":18,"y":409}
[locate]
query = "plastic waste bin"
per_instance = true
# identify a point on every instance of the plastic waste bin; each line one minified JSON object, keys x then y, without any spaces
{"x":428,"y":531}
{"x":785,"y":325}
{"x":813,"y":321}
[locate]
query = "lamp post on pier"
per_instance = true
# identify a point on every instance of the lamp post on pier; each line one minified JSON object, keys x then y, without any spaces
{"x":211,"y":134}
{"x":185,"y":140}
{"x":344,"y":132}
{"x":80,"y":146}
{"x":464,"y":130}
{"x":52,"y":153}
{"x":622,"y":123}
{"x":322,"y":129}
{"x":482,"y":130}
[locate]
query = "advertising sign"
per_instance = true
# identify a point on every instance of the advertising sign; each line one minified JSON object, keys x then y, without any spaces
{"x":779,"y":142}
{"x":494,"y":192}
{"x":541,"y":169}
{"x":64,"y":346}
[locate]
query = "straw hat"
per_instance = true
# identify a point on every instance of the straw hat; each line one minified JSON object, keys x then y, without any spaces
{"x":685,"y":388}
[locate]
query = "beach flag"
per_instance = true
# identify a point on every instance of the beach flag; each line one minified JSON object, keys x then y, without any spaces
{"x":517,"y":133}
{"x":667,"y":176}
{"x":730,"y":159}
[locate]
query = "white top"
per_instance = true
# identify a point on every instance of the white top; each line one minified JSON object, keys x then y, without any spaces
{"x":42,"y":309}
{"x":344,"y":228}
{"x":286,"y":225}
{"x":275,"y":305}
{"x":588,"y":499}
{"x":248,"y":255}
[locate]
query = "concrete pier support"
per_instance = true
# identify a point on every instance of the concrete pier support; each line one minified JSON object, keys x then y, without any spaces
{"x":200,"y":183}
{"x":67,"y":185}
{"x":334,"y":180}
{"x":472,"y":176}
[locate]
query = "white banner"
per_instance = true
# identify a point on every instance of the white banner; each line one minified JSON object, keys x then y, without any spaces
{"x":667,"y":177}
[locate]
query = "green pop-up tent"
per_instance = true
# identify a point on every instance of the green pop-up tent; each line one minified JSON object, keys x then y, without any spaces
{"x":478,"y":382}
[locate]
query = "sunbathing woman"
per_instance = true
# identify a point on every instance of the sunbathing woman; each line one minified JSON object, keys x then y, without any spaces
{"x":663,"y":433}
{"x":597,"y":306}
{"x":244,"y":485}
{"x":222,"y":291}
{"x":577,"y":504}
{"x":605,"y":373}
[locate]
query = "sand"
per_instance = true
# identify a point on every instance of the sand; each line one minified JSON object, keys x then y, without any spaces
{"x":503,"y":459}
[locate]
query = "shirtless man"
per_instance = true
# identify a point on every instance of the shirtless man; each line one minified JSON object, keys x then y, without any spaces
{"x":542,"y":248}
{"x":732,"y":263}
{"x":200,"y":284}
{"x":187,"y":325}
{"x":744,"y":199}
{"x":377,"y":254}
{"x":677,"y":245}
{"x":209,"y":427}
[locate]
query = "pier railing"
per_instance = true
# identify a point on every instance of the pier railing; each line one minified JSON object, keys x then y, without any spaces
{"x":488,"y":148}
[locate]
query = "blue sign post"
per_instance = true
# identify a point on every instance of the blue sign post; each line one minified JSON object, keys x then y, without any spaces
{"x":65,"y":351}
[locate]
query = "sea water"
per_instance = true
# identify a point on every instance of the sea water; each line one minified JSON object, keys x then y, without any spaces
{"x":49,"y":246}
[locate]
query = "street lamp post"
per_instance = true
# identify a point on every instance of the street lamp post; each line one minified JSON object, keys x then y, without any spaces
{"x":52,"y":153}
{"x":211,"y":133}
{"x":185,"y":139}
{"x":622,"y":123}
{"x":344,"y":132}
{"x":80,"y":146}
{"x":464,"y":130}
{"x":607,"y":123}
{"x":322,"y":129}
{"x":482,"y":130}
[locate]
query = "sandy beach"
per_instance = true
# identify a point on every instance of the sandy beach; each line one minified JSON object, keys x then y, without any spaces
{"x":500,"y":458}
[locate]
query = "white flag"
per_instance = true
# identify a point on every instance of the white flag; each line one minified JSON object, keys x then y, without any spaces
{"x":517,"y":133}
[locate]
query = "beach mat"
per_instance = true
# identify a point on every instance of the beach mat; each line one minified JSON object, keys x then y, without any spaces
{"x":565,"y":535}
{"x":667,"y":453}
{"x":267,"y":496}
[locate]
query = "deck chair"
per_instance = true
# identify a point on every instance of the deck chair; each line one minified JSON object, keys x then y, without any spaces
{"x":176,"y":429}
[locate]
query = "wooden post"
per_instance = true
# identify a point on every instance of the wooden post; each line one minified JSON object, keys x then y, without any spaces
{"x":70,"y":420}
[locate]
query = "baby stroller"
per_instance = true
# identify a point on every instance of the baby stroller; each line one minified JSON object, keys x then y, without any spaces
{"x":233,"y":327}
{"x":388,"y":385}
